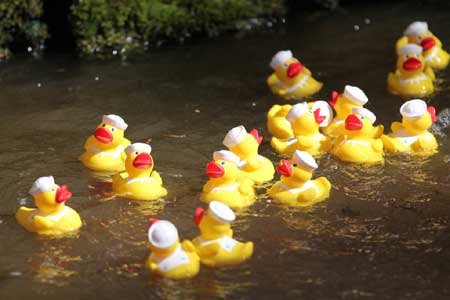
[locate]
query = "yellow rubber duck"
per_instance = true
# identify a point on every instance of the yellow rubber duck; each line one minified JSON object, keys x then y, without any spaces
{"x":419,"y":34}
{"x":215,"y":245}
{"x":411,"y":135}
{"x":295,"y":187}
{"x":226,"y":183}
{"x":412,"y":77}
{"x":104,"y":150}
{"x":245,"y":145}
{"x":361,"y":142}
{"x":169,"y":257}
{"x":140,"y":181}
{"x":291,"y":80}
{"x":305,"y":119}
{"x":51,"y":217}
{"x":351,"y":98}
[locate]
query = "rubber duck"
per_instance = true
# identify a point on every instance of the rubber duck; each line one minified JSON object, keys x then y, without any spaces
{"x":295,"y":187}
{"x":226,"y":182}
{"x":411,"y":135}
{"x":215,"y":245}
{"x":305,"y":119}
{"x":52,"y":216}
{"x":291,"y":80}
{"x":140,"y":181}
{"x":245,"y":145}
{"x":104,"y":149}
{"x":361,"y":142}
{"x":169,"y":258}
{"x":412,"y":78}
{"x":419,"y":34}
{"x":343,"y":104}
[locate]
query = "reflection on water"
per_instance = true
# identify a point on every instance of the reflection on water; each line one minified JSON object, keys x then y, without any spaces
{"x":383,"y":233}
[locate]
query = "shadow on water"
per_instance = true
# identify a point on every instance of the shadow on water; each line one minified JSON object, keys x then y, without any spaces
{"x":382,"y":234}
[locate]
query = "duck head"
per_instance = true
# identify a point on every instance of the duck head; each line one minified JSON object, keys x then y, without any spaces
{"x":162,"y":237}
{"x":242,"y":143}
{"x":224,"y":167}
{"x":306,"y":118}
{"x":419,"y":34}
{"x":410,"y":61}
{"x":139,"y":161}
{"x":298,"y":170}
{"x":110,"y":132}
{"x":286,"y":67}
{"x":416,"y":116}
{"x":215,"y":222}
{"x":343,"y":104}
{"x":360,"y":123}
{"x":48,"y":196}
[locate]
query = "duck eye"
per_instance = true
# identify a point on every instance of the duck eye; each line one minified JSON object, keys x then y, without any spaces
{"x":407,"y":56}
{"x":103,"y":125}
{"x":222,"y":163}
{"x":112,"y":129}
{"x":362,"y":118}
{"x":136,"y":153}
{"x":285,"y":65}
{"x":53,"y":190}
{"x":294,"y":165}
{"x":417,"y":55}
{"x":419,"y":38}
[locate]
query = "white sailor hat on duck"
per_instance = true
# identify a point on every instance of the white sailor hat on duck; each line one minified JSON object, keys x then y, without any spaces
{"x":139,"y":147}
{"x":115,"y":121}
{"x":365,"y":113}
{"x":234,"y":136}
{"x":226,"y":155}
{"x":221,"y":212}
{"x":305,"y":160}
{"x":325,"y":111}
{"x":280,"y":58}
{"x":410,"y":48}
{"x":41,"y":185}
{"x":416,"y":28}
{"x":162,"y":234}
{"x":297,"y":111}
{"x":355,"y":94}
{"x":413,"y":109}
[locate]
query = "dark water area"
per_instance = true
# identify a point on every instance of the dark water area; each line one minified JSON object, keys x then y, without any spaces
{"x":383,"y":233}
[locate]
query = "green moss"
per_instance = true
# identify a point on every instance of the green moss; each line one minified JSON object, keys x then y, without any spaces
{"x":104,"y":26}
{"x":19,"y":22}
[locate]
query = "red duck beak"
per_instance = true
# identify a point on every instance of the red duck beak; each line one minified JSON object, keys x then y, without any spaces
{"x":428,"y":43}
{"x":353,"y":123}
{"x":199,"y":212}
{"x":412,"y":64}
{"x":62,"y":194}
{"x":334,"y":97}
{"x":152,"y":222}
{"x":255,"y":134}
{"x":319,"y":119}
{"x":103,"y":135}
{"x":294,"y":68}
{"x":285,"y":168}
{"x":432,"y":111}
{"x":214,"y":170}
{"x":143,"y":161}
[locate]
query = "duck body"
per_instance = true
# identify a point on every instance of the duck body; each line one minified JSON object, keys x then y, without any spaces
{"x":246,"y":145}
{"x":304,"y":120}
{"x":52,"y":216}
{"x":291,"y":80}
{"x":215,"y":245}
{"x":104,"y":150}
{"x":296,"y":188}
{"x":169,"y":258}
{"x":227,"y":184}
{"x":140,"y":181}
{"x":361,"y":143}
{"x":277,"y":124}
{"x":411,"y":136}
